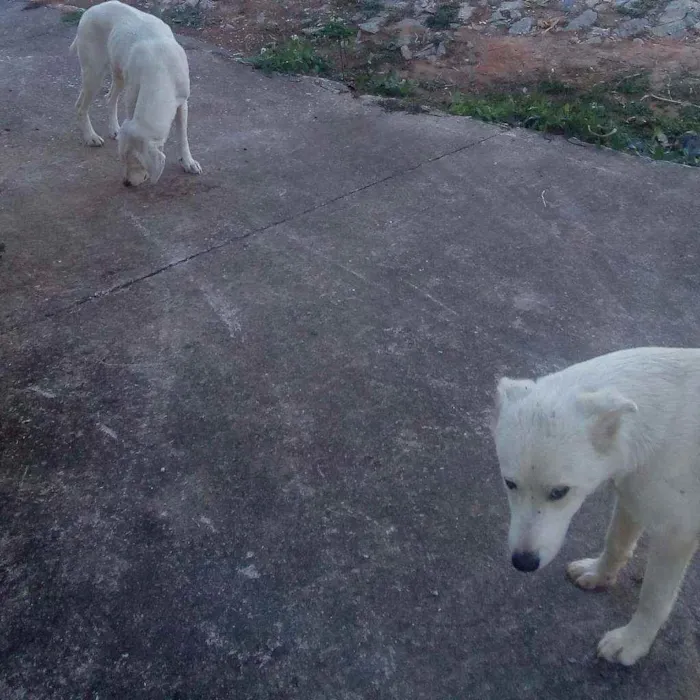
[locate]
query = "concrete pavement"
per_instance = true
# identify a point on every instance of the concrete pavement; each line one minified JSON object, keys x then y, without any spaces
{"x":245,"y":448}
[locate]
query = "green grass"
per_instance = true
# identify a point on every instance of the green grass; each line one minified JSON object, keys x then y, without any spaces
{"x":599,"y":116}
{"x":295,"y":55}
{"x":72,"y":17}
{"x":337,"y":30}
{"x":386,"y":85}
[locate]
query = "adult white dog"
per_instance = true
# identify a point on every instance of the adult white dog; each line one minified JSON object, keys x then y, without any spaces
{"x":148,"y":64}
{"x":632,"y":417}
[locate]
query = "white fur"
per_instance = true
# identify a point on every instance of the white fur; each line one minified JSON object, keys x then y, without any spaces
{"x":150,"y":67}
{"x":632,"y":417}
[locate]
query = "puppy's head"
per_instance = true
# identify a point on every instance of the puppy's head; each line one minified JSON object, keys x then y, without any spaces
{"x":555,"y":447}
{"x":141,"y":158}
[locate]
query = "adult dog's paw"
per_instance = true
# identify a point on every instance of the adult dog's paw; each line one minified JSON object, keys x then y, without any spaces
{"x":623,"y":647}
{"x":586,"y":574}
{"x":191,"y":166}
{"x":94,"y":140}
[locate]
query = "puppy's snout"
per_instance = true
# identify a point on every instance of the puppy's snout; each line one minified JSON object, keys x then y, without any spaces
{"x":526,"y":561}
{"x":126,"y":183}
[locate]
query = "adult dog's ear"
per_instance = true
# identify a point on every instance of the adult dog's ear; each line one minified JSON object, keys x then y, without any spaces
{"x":605,"y":407}
{"x":510,"y":390}
{"x":154,"y":162}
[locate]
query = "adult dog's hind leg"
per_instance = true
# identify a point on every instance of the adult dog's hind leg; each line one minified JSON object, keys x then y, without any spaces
{"x":620,"y":541}
{"x":189,"y":164}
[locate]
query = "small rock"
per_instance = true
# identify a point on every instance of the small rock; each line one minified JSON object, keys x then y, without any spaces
{"x":373,"y":25}
{"x":592,"y":4}
{"x":690,"y":143}
{"x":441,"y":49}
{"x":465,"y":12}
{"x":406,"y":52}
{"x":632,"y":27}
{"x":429,"y":6}
{"x":522,"y":26}
{"x":586,"y":19}
{"x":250,"y":571}
{"x":507,"y":12}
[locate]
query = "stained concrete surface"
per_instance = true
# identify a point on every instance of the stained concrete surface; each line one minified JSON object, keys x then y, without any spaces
{"x":245,"y":448}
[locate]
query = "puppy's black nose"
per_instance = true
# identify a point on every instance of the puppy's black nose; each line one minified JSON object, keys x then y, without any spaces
{"x":127,"y":183}
{"x":526,"y":561}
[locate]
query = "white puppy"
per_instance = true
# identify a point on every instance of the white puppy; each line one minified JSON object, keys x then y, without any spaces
{"x":632,"y":417}
{"x":151,"y":68}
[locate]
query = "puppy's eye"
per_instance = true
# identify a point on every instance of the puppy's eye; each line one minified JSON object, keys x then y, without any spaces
{"x":556,"y":494}
{"x":511,"y":485}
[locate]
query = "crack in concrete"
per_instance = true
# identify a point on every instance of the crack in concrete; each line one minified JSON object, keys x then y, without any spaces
{"x":235,"y":239}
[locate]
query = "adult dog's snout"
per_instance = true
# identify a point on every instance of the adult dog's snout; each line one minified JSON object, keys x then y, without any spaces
{"x":526,"y":561}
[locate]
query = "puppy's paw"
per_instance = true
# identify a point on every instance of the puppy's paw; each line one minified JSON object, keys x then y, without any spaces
{"x":94,"y":140}
{"x":623,"y":647}
{"x":191,"y":166}
{"x":586,"y":574}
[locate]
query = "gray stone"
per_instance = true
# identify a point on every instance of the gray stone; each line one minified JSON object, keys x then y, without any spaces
{"x":586,"y":19}
{"x":632,"y":27}
{"x":441,"y":49}
{"x":406,"y":52}
{"x":429,"y":6}
{"x":507,"y":12}
{"x":465,"y":12}
{"x":677,"y":10}
{"x":373,"y":25}
{"x":522,"y":26}
{"x":670,"y":29}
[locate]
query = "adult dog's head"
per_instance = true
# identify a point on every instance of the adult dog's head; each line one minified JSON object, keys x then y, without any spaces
{"x":141,"y":158}
{"x":555,"y":446}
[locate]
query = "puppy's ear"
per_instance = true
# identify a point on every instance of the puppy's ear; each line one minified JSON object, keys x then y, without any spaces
{"x":605,"y":407}
{"x":154,"y":162}
{"x":510,"y":390}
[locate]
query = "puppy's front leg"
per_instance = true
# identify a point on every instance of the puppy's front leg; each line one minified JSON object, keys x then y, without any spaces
{"x":620,"y":542}
{"x":668,"y":559}
{"x":189,"y":164}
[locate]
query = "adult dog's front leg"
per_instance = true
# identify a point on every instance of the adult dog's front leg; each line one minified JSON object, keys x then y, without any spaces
{"x":668,"y":560}
{"x":189,"y":164}
{"x":113,"y":102}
